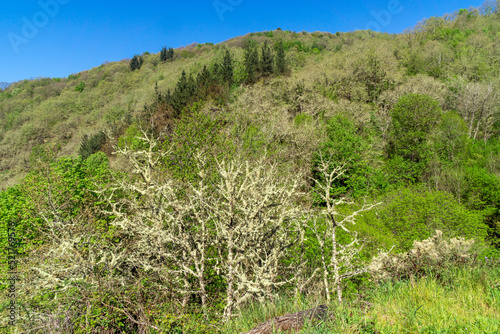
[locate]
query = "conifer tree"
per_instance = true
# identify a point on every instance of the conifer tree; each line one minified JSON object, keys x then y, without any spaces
{"x":203,"y":78}
{"x":280,"y":58}
{"x":170,"y":53}
{"x":183,"y":93}
{"x":266,"y":63}
{"x":163,"y":54}
{"x":134,"y":63}
{"x":251,"y":59}
{"x":227,"y":68}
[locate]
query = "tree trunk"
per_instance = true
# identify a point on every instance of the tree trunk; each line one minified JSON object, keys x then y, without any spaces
{"x":230,"y":282}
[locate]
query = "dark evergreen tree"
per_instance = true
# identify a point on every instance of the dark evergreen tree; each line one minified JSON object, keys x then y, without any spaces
{"x":227,"y":68}
{"x":280,"y":58}
{"x":91,"y":144}
{"x":216,"y":71}
{"x":136,"y":62}
{"x":170,"y":53}
{"x":251,"y":58}
{"x":184,"y":92}
{"x":203,"y":79}
{"x":163,"y":54}
{"x":266,"y":62}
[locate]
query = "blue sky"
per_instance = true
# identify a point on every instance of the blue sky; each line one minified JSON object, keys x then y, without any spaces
{"x":54,"y":38}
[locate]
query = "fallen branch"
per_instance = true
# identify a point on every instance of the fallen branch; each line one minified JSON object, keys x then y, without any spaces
{"x":290,"y":322}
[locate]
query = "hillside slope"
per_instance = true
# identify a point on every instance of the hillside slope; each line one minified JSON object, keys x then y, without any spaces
{"x":356,"y":72}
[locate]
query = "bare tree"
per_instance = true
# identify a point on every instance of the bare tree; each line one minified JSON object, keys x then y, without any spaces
{"x":340,"y":264}
{"x":165,"y":229}
{"x":247,"y":217}
{"x":477,"y":103}
{"x":255,"y":219}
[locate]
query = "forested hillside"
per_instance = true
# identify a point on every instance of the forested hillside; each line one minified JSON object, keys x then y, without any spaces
{"x":175,"y":192}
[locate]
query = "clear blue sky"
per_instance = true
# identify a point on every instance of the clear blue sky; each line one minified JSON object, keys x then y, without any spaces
{"x":54,"y":38}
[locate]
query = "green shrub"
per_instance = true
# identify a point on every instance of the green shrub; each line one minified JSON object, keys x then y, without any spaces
{"x":414,"y":213}
{"x":80,"y":87}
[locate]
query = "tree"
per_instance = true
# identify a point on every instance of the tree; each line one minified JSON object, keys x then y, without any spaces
{"x":256,"y":222}
{"x":168,"y":232}
{"x":247,"y":220}
{"x":227,"y":68}
{"x":92,"y":144}
{"x":80,"y":87}
{"x":345,"y":147}
{"x":266,"y":61}
{"x":251,"y":59}
{"x":413,"y":118}
{"x":183,"y":93}
{"x":340,"y":264}
{"x":477,"y":103}
{"x":166,"y":54}
{"x":280,"y":58}
{"x":136,"y":62}
{"x":163,"y":54}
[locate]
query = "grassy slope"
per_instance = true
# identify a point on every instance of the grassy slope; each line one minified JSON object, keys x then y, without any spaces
{"x":461,"y":301}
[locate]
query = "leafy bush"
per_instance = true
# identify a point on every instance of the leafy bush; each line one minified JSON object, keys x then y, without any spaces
{"x":80,"y":87}
{"x":414,"y":213}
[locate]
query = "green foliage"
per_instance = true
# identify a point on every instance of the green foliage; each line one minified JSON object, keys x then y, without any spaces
{"x":130,"y":138}
{"x":415,"y":213}
{"x":195,"y":133}
{"x":136,"y":62}
{"x":266,"y":60}
{"x":302,"y":119}
{"x":15,"y":209}
{"x":280,"y":66}
{"x":482,"y":192}
{"x":80,"y":87}
{"x":413,"y":117}
{"x":346,"y":148}
{"x":318,"y":47}
{"x":166,"y":54}
{"x":289,"y":44}
{"x":450,"y":138}
{"x":251,"y":61}
{"x":227,"y":68}
{"x":91,"y":144}
{"x":56,"y":183}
